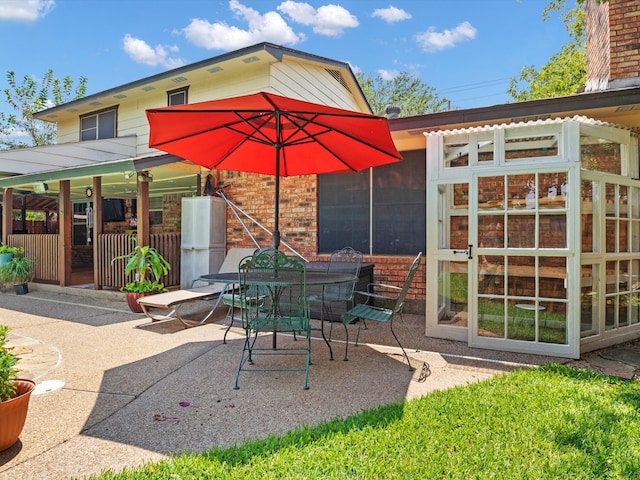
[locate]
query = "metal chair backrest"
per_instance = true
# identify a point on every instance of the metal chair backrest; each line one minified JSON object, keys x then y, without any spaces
{"x":407,"y":283}
{"x":284,"y":284}
{"x":346,"y":261}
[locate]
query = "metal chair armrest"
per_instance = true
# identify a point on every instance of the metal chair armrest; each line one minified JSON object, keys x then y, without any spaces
{"x":384,"y":286}
{"x":373,"y":295}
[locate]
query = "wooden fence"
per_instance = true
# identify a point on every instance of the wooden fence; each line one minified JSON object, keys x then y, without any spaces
{"x":43,"y":250}
{"x":112,"y":245}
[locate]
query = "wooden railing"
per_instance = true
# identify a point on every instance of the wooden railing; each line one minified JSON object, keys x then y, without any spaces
{"x":42,"y":249}
{"x":112,"y":245}
{"x":168,"y":245}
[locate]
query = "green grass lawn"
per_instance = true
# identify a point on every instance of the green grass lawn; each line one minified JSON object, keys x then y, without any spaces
{"x":549,"y":423}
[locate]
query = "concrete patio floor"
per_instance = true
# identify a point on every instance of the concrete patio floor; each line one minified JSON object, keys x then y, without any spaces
{"x":117,"y":391}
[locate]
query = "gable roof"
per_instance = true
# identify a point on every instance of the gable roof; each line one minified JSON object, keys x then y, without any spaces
{"x":236,"y":60}
{"x":76,"y":160}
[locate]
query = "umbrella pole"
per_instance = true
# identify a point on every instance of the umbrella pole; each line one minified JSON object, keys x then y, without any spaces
{"x":275,"y":239}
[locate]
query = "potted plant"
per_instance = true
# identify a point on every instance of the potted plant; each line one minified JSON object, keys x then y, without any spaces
{"x":7,"y":253}
{"x":14,"y":395}
{"x":148,"y":266}
{"x":17,"y":272}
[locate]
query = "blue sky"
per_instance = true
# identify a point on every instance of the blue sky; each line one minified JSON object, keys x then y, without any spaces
{"x":466,"y":49}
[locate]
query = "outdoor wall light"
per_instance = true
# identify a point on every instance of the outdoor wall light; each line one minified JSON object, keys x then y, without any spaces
{"x":40,"y":187}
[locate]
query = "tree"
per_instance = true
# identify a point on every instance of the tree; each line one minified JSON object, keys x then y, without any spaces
{"x":29,"y":97}
{"x":566,"y":71}
{"x":405,"y":90}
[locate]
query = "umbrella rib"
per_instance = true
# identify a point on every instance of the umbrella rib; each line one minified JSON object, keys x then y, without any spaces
{"x":317,"y":137}
{"x":247,"y":138}
{"x":229,"y":126}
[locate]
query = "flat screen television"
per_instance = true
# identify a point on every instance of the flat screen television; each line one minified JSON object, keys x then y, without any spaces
{"x":112,"y":210}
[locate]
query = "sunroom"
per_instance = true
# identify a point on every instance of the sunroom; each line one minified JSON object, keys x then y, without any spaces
{"x":533,"y":236}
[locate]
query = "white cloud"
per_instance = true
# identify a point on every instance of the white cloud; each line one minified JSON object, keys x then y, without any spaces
{"x":391,"y":14}
{"x":388,"y":74}
{"x":432,"y":41}
{"x":25,"y":10}
{"x":269,"y":27}
{"x":329,"y":20}
{"x":141,"y":52}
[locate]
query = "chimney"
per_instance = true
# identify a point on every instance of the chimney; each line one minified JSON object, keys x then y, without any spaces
{"x":613,"y":44}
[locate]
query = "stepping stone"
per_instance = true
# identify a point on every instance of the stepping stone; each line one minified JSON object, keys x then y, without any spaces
{"x":612,"y":367}
{"x":626,"y":355}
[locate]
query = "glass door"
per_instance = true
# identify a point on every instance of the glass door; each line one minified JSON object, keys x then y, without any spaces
{"x":520,"y":269}
{"x":449,"y":253}
{"x":499,"y":245}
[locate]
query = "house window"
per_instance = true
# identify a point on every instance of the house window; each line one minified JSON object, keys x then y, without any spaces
{"x":98,"y":125}
{"x":80,"y":225}
{"x":177,"y":97}
{"x":343,"y":211}
{"x":155,"y":211}
{"x":393,"y":198}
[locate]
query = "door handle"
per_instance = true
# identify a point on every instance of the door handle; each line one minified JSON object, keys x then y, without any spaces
{"x":467,"y":251}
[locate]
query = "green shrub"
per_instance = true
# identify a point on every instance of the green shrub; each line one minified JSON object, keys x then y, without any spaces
{"x":8,"y":372}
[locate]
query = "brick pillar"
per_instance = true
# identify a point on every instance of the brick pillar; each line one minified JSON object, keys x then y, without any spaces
{"x":624,"y":20}
{"x":613,"y":44}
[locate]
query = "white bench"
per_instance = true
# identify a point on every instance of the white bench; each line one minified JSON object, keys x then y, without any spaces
{"x":172,"y":301}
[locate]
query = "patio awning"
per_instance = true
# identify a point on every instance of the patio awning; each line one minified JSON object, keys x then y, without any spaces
{"x":134,"y":164}
{"x":31,"y":160}
{"x":169,"y":174}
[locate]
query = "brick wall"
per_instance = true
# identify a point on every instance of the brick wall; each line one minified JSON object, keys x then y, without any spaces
{"x":255,"y":195}
{"x":299,"y":225}
{"x":171,"y":214}
{"x":624,"y":26}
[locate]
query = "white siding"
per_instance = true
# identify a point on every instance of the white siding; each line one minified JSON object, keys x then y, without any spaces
{"x":292,"y":77}
{"x":312,"y":83}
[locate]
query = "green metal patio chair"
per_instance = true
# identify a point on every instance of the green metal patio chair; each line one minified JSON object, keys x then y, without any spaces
{"x":283,"y":308}
{"x":346,"y":260}
{"x":377,"y":313}
{"x":234,"y":299}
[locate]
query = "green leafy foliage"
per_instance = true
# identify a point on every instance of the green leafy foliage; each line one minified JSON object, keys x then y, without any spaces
{"x":147,"y":265}
{"x":404,"y":90}
{"x":143,"y":287}
{"x":565,"y":72}
{"x":8,"y":372}
{"x":18,"y":270}
{"x":11,"y":250}
{"x":29,"y":97}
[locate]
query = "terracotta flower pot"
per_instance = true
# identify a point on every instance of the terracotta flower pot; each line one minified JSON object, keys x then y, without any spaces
{"x":13,"y":413}
{"x":132,"y":300}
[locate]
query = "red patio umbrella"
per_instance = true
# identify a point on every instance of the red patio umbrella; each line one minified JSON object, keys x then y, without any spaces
{"x":270,"y":134}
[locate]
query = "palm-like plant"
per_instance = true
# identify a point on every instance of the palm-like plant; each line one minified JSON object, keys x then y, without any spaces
{"x":147,"y":265}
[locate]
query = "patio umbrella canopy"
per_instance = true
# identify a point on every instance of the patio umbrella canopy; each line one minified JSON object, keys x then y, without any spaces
{"x":273,"y":135}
